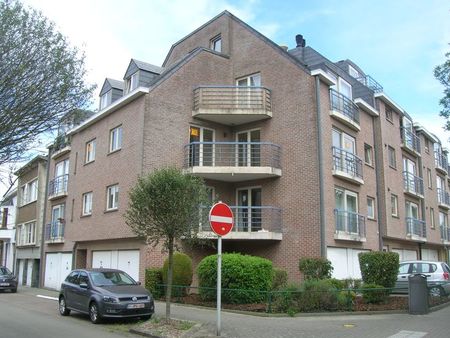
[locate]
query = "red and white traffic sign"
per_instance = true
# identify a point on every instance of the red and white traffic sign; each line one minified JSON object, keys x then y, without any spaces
{"x":221,"y":219}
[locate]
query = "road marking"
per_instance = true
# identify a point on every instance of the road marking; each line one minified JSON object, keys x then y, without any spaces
{"x":47,"y":297}
{"x":408,"y":334}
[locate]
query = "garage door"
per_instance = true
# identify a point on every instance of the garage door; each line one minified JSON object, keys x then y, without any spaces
{"x":57,"y":267}
{"x":406,"y":255}
{"x":430,"y":255}
{"x":126,"y":260}
{"x":345,"y":262}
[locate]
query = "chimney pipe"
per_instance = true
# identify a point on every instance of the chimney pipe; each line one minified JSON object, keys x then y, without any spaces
{"x":300,"y":41}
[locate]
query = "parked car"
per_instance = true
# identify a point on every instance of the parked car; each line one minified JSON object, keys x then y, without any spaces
{"x":104,"y":293}
{"x":437,"y":274}
{"x":7,"y":280}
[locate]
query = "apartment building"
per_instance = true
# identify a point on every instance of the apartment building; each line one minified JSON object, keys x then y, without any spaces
{"x":8,"y":228}
{"x":31,"y":190}
{"x":302,"y":149}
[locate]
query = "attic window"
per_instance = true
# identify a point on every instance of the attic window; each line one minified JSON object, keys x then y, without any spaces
{"x":105,"y":100}
{"x":353,"y":72}
{"x":216,"y":43}
{"x":132,"y":82}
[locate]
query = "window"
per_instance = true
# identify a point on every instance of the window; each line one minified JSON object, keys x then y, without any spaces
{"x":392,"y":157}
{"x":427,"y":145}
{"x":432,"y":223}
{"x":353,"y":72}
{"x":216,"y":43}
{"x":26,"y":234}
{"x":389,"y":114}
{"x":28,"y":192}
{"x":132,"y":82}
{"x":430,"y":180}
{"x":253,"y":80}
{"x":87,"y":204}
{"x":105,"y":99}
{"x":90,"y":151}
{"x":115,"y":139}
{"x":112,"y":198}
{"x":371,"y":207}
{"x":201,"y":149}
{"x":443,"y":220}
{"x":368,"y":154}
{"x":394,"y":205}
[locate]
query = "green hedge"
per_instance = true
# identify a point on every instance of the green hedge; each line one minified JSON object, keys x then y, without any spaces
{"x":315,"y":268}
{"x":379,"y":267}
{"x":374,"y":294}
{"x":248,"y":275}
{"x":279,"y":279}
{"x":153,"y":277}
{"x":182,"y":272}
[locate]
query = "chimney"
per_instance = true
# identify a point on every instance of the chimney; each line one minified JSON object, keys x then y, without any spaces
{"x":300,"y":41}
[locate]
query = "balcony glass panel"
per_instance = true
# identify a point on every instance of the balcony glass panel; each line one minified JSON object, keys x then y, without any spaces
{"x":350,"y":222}
{"x":412,"y":183}
{"x":416,"y":227}
{"x":410,"y":140}
{"x":58,"y":186}
{"x":347,"y":162}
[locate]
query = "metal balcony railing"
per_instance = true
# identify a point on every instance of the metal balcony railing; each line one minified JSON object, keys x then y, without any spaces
{"x":232,"y":154}
{"x":416,"y":227}
{"x":54,"y":231}
{"x":445,"y":233}
{"x":443,"y":196}
{"x":350,"y":222}
{"x":253,"y":219}
{"x":441,"y":161}
{"x":410,"y":140}
{"x":232,"y":97}
{"x":412,"y":183}
{"x":347,"y":162}
{"x":344,"y":105}
{"x":369,"y":82}
{"x":58,"y":185}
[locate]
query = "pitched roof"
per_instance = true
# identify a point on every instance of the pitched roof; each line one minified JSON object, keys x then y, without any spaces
{"x":148,"y":66}
{"x":115,"y":83}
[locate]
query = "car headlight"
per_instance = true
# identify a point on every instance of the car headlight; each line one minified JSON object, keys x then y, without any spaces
{"x":110,"y":299}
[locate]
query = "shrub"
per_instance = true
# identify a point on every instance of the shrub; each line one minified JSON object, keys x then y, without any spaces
{"x":318,"y":295}
{"x":351,"y":283}
{"x":345,"y":299}
{"x":279,"y":279}
{"x":374,"y":293}
{"x":337,"y":283}
{"x":315,"y":268}
{"x":379,"y":268}
{"x":247,"y":275}
{"x":153,"y":277}
{"x":287,"y":300}
{"x":182,"y":272}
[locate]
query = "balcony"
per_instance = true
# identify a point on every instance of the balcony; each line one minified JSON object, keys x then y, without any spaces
{"x":441,"y":162}
{"x":443,"y":198}
{"x":58,"y":187}
{"x":410,"y":141}
{"x":416,"y":229}
{"x":412,"y":184}
{"x":344,"y":110}
{"x":54,"y":232}
{"x":251,"y":223}
{"x":350,"y":226}
{"x":61,"y":146}
{"x":233,"y":161}
{"x":347,"y":166}
{"x":369,"y":82}
{"x":232,"y":105}
{"x":445,"y":235}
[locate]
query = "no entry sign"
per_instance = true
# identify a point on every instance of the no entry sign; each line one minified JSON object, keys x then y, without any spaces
{"x":221,"y":219}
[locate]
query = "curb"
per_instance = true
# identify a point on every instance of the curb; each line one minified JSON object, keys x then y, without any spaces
{"x":189,"y":333}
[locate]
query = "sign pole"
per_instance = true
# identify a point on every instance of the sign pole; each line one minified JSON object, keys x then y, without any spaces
{"x":219,"y":283}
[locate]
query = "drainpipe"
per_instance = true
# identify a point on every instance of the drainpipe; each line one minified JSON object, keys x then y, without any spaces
{"x":323,"y":249}
{"x":422,"y":202}
{"x":44,"y":214}
{"x":378,"y":179}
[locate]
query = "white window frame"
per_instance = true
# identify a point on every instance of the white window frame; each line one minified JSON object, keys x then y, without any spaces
{"x":112,"y":192}
{"x":430,"y":178}
{"x":368,"y":154}
{"x":432,"y":220}
{"x":201,"y":140}
{"x":394,"y":205}
{"x":90,"y":151}
{"x":370,"y":208}
{"x":29,"y":192}
{"x":132,"y":82}
{"x":353,"y":72}
{"x":87,"y":204}
{"x":115,"y":139}
{"x":391,"y":150}
{"x":105,"y":99}
{"x":27,"y":233}
{"x":248,"y":79}
{"x":216,"y":43}
{"x":443,"y":219}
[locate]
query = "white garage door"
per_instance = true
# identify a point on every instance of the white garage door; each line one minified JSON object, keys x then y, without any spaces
{"x":406,"y":255}
{"x":430,"y":255}
{"x":57,"y":267}
{"x":345,"y":262}
{"x":126,"y":260}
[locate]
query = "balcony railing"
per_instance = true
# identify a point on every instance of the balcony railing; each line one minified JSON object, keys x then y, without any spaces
{"x":443,"y":197}
{"x":415,"y":227}
{"x":350,"y":223}
{"x":369,"y":82}
{"x":410,"y":140}
{"x":54,"y":231}
{"x":253,"y":219}
{"x":445,"y":233}
{"x":441,"y":161}
{"x":58,"y":186}
{"x":348,"y":163}
{"x":232,"y":154}
{"x":344,"y":105}
{"x":412,"y":184}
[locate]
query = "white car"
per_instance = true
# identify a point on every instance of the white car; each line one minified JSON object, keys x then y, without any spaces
{"x":437,"y":273}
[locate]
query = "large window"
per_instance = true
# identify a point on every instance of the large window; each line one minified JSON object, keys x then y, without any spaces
{"x":27,"y":233}
{"x":346,"y":203}
{"x":443,"y":220}
{"x":112,"y":197}
{"x":90,"y":151}
{"x":28,"y":192}
{"x":87,"y":204}
{"x":115,"y":139}
{"x":201,"y":149}
{"x":105,"y":99}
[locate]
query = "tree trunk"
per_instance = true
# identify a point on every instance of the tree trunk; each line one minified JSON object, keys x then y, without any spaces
{"x":169,"y":280}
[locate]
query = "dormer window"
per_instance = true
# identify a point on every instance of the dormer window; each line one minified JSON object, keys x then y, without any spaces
{"x":132,"y":82}
{"x":105,"y":100}
{"x":353,"y":72}
{"x":216,"y":43}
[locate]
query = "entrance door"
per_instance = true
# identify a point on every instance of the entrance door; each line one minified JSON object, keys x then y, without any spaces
{"x":201,"y":153}
{"x":61,"y":170}
{"x":248,"y":153}
{"x":249,"y":216}
{"x":21,"y":271}
{"x":410,"y":167}
{"x":29,"y":271}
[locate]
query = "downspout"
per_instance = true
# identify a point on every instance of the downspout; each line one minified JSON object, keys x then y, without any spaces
{"x":378,"y":173}
{"x":323,"y":249}
{"x":44,"y":214}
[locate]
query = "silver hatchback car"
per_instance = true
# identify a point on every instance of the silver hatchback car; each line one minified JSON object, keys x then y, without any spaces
{"x":437,"y":274}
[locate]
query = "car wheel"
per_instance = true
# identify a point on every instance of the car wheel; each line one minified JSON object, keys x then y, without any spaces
{"x":146,"y":317}
{"x":436,"y":291}
{"x":63,"y":310}
{"x":94,"y":313}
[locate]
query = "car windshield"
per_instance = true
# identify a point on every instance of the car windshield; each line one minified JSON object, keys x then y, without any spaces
{"x":106,"y":278}
{"x":4,"y":271}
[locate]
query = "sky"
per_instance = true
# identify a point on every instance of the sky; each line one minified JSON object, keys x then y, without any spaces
{"x":397,"y":42}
